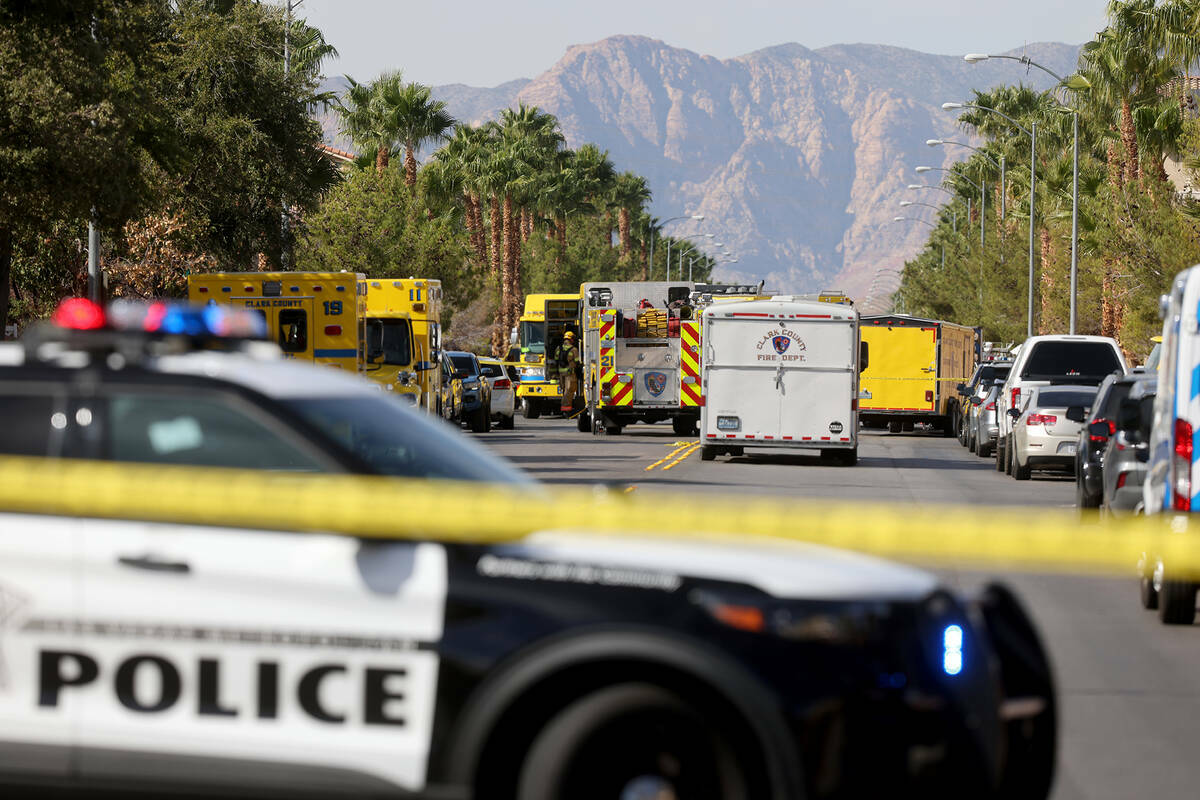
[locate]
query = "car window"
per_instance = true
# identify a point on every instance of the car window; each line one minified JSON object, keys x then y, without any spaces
{"x":396,"y":441}
{"x":490,"y":370}
{"x":464,"y":363}
{"x":149,"y":427}
{"x":1068,"y":359}
{"x":1112,"y":401}
{"x":293,"y":330}
{"x":1064,"y":398}
{"x":29,"y":422}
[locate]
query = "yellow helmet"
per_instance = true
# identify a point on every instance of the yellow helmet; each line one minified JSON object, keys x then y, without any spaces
{"x":569,"y":335}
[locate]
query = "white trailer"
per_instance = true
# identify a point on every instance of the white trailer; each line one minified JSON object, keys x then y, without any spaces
{"x":781,"y":374}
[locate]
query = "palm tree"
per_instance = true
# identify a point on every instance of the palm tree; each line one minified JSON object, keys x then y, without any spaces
{"x":416,"y":118}
{"x":630,"y":194}
{"x":596,"y":175}
{"x":367,"y":120}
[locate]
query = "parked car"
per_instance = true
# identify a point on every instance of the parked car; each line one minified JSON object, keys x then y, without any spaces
{"x":1046,"y":360}
{"x":1097,"y":429}
{"x":476,"y":391}
{"x":981,"y":420}
{"x":1046,"y":430}
{"x":1127,"y":451}
{"x":978,"y":387}
{"x":504,"y":392}
{"x":451,"y":395}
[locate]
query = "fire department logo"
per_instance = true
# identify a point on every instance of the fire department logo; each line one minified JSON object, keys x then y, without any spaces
{"x":781,"y":344}
{"x":656,"y":383}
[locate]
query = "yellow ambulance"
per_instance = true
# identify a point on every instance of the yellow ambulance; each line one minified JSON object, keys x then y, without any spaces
{"x":540,"y":331}
{"x":314,"y":316}
{"x":404,"y":338}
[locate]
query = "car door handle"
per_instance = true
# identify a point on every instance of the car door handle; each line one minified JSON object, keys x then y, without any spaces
{"x":154,"y":564}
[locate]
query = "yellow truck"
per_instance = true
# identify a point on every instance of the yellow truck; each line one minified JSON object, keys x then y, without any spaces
{"x":539,"y":332}
{"x":914,"y":368}
{"x":314,"y":316}
{"x":403,"y":329}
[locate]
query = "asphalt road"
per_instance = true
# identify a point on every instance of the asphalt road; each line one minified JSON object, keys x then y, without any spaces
{"x":1129,"y":687}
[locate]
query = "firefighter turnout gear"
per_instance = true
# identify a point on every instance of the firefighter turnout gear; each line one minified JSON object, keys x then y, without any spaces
{"x":567,"y":359}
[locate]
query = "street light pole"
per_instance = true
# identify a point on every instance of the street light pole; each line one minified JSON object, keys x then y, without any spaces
{"x":1032,"y":198}
{"x":663,"y":224}
{"x":1075,"y":225}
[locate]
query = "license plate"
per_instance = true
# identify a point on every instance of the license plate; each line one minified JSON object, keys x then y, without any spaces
{"x":728,"y":423}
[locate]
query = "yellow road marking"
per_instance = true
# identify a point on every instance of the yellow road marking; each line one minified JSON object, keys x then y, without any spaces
{"x":669,"y":455}
{"x":691,"y":450}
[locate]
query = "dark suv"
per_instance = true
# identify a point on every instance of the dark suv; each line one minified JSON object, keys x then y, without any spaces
{"x":476,"y":391}
{"x":1099,"y":426}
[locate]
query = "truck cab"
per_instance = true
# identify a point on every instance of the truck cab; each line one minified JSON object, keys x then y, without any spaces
{"x":539,"y":333}
{"x":312,"y":316}
{"x":403,"y":334}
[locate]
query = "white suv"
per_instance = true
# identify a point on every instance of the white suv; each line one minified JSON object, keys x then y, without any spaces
{"x":504,"y":407}
{"x":1045,"y":360}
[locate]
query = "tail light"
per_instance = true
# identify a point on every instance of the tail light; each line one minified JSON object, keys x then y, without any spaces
{"x":1112,"y":430}
{"x":1182,"y":467}
{"x":928,"y":395}
{"x":333,"y":330}
{"x":502,"y":383}
{"x":1041,"y":419}
{"x":1121,"y":480}
{"x":1016,"y":398}
{"x":990,"y":406}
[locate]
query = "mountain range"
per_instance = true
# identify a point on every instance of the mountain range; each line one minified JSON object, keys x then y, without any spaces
{"x":797,"y":158}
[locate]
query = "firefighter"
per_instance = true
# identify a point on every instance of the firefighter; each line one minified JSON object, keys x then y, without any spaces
{"x":567,"y":360}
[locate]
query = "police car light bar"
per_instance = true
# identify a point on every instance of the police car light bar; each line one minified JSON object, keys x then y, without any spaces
{"x":174,"y":319}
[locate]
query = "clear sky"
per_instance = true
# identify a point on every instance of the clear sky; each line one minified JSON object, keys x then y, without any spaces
{"x":488,"y":42}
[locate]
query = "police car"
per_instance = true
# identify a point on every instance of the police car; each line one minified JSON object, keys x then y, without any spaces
{"x":139,"y":654}
{"x":177,"y":384}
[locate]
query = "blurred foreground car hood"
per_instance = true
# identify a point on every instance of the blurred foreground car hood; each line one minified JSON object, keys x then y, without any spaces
{"x":793,"y":570}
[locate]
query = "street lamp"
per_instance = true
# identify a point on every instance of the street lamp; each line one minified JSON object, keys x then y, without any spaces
{"x":661,"y":225}
{"x":1031,"y":132}
{"x":914,"y":219}
{"x":907,"y":203}
{"x":956,"y":143}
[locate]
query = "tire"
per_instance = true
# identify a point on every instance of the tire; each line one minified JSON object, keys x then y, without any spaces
{"x":972,"y":443}
{"x":601,"y":744}
{"x":1001,"y":455}
{"x":708,"y":453}
{"x":841,"y":458}
{"x":1082,"y":498}
{"x":736,"y":451}
{"x":684,"y":426}
{"x":983,"y":451}
{"x":529,"y":408}
{"x":1177,"y":602}
{"x":1021,"y":473}
{"x":583,"y":422}
{"x":895,"y":426}
{"x":507,"y":423}
{"x":481,"y":421}
{"x":1008,"y":457}
{"x":612,"y":430}
{"x":1148,"y":594}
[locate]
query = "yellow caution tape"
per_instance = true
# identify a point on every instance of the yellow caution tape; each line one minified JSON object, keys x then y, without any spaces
{"x":377,"y":507}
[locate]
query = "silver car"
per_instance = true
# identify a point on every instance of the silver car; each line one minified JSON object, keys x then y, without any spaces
{"x":982,"y":427}
{"x":978,"y":388}
{"x":1128,"y":451}
{"x":504,"y":394}
{"x":1046,"y":430}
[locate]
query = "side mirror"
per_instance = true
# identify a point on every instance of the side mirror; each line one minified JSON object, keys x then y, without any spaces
{"x":1015,"y":413}
{"x":864,"y":356}
{"x":976,"y":401}
{"x":961,"y":389}
{"x":1099,"y":429}
{"x":1128,"y":415}
{"x":1076,"y":413}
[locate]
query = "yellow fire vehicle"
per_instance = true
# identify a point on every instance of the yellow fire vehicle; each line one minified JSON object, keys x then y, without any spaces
{"x":314,"y":316}
{"x":404,"y":338}
{"x":540,"y":330}
{"x":915,"y":365}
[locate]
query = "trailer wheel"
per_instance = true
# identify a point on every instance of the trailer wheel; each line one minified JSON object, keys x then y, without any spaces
{"x":841,"y":458}
{"x":684,"y":426}
{"x":708,"y":453}
{"x":895,"y":426}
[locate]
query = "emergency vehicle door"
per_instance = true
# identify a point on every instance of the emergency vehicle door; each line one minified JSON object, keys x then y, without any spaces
{"x":230,"y":647}
{"x":818,"y":390}
{"x":741,"y":378}
{"x":290,"y":322}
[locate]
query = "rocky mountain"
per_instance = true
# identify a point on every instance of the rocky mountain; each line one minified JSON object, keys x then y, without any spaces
{"x":797,"y":158}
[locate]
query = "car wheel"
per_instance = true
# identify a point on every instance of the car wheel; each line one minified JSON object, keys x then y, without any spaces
{"x":1083,"y":498}
{"x":1001,"y":456}
{"x":972,"y":444}
{"x":1176,"y":602}
{"x":507,"y":423}
{"x":481,"y":421}
{"x":1008,"y":458}
{"x":983,"y":451}
{"x":708,"y":453}
{"x":631,"y":740}
{"x":529,"y":408}
{"x":1149,"y":595}
{"x":1021,"y":473}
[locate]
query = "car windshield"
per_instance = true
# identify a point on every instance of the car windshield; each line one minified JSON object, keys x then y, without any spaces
{"x":393,"y":440}
{"x":533,"y":336}
{"x":391,"y":338}
{"x":464,"y":363}
{"x":1071,"y":359}
{"x":988,"y":374}
{"x":1065,"y":398}
{"x":491,"y":369}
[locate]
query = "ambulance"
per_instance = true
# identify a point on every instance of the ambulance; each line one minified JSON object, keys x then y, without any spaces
{"x":782,"y":374}
{"x":539,"y":333}
{"x":313,"y":316}
{"x":641,"y":348}
{"x":404,"y":338}
{"x":916,"y":366}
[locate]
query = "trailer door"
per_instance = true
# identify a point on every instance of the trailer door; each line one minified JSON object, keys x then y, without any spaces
{"x":741,"y":386}
{"x":817,"y":390}
{"x":902,"y":372}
